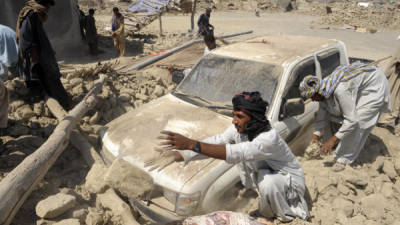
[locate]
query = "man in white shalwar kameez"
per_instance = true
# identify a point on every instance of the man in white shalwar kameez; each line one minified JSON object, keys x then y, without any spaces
{"x":265,"y":161}
{"x":351,"y":100}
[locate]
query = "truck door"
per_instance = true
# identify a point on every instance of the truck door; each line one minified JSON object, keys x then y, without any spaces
{"x":299,"y":129}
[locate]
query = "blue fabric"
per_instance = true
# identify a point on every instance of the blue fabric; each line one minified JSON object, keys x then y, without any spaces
{"x":149,"y":6}
{"x":8,"y":48}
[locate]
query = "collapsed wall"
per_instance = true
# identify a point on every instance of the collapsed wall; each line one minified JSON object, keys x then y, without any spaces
{"x":62,"y":26}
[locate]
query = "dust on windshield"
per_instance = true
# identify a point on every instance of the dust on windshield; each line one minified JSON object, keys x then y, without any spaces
{"x":218,"y":79}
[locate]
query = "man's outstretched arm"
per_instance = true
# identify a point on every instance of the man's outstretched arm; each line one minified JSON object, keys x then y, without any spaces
{"x":179,"y":142}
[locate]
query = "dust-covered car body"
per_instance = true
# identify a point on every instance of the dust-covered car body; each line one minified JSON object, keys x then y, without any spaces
{"x":200,"y":108}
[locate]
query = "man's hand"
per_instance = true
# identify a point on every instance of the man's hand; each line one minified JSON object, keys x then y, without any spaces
{"x":176,"y":141}
{"x":164,"y":159}
{"x":329,"y":145}
{"x":315,"y":138}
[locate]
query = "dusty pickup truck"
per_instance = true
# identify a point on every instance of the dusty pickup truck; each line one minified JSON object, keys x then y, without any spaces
{"x":201,"y":107}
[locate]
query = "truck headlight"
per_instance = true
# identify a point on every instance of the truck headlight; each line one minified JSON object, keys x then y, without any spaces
{"x":185,"y":204}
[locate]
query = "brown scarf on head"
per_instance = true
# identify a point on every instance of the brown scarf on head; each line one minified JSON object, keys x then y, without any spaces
{"x":30,"y":5}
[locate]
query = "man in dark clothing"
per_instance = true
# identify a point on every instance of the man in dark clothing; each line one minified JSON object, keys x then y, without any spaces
{"x":38,"y":65}
{"x":204,"y":23}
{"x":91,"y":33}
{"x":82,"y":22}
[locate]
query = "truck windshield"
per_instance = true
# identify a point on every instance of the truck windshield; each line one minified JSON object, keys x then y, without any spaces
{"x":218,"y":79}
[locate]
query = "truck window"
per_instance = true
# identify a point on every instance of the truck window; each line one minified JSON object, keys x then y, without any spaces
{"x":329,"y":60}
{"x":303,"y":69}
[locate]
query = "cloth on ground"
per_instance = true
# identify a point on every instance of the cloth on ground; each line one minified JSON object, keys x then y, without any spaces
{"x":268,"y":151}
{"x":221,"y":217}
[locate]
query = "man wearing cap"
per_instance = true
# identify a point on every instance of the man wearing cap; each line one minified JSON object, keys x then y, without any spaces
{"x":38,"y":65}
{"x":204,"y":23}
{"x":266,"y":163}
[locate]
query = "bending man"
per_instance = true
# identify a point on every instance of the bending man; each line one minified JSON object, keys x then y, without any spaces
{"x":350,"y":100}
{"x":265,"y":161}
{"x":39,"y":66}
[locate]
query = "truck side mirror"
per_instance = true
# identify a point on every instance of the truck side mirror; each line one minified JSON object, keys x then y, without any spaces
{"x":293,"y":107}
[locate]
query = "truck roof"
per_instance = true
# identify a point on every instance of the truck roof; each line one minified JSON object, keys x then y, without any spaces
{"x":274,"y":49}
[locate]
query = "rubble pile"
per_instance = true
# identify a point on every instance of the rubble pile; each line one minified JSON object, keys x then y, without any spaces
{"x":30,"y":124}
{"x":365,"y":194}
{"x":349,"y":13}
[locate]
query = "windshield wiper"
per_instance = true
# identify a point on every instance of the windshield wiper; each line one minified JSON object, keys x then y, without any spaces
{"x":219,"y":107}
{"x":191,"y":96}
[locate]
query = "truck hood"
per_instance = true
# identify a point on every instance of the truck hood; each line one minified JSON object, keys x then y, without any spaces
{"x":133,"y":136}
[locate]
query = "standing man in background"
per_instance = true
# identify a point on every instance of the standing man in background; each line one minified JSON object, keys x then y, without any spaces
{"x":91,"y":33}
{"x":204,"y":23}
{"x":118,"y":32}
{"x":38,"y":65}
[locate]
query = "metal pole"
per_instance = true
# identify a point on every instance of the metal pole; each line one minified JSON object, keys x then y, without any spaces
{"x":172,"y":51}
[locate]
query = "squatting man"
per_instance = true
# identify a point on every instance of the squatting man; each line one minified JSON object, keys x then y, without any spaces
{"x":266,"y":163}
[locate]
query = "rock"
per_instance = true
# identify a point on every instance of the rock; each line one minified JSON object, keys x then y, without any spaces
{"x":55,"y":205}
{"x":141,"y":96}
{"x":378,"y":164}
{"x":138,"y":103}
{"x":158,"y":91}
{"x":397,"y":166}
{"x":77,"y":89}
{"x":124,"y":97}
{"x":38,"y":108}
{"x":76,"y":81}
{"x":80,"y":214}
{"x":128,"y":179}
{"x":18,"y":130}
{"x":343,"y":189}
{"x":94,"y":119}
{"x":373,"y":206}
{"x":21,"y":89}
{"x":323,"y":184}
{"x":25,"y":112}
{"x":68,"y":222}
{"x":345,"y":206}
{"x":357,"y":178}
{"x":14,"y":105}
{"x":94,"y":179}
{"x":387,"y":189}
{"x":357,"y":220}
{"x":43,"y":222}
{"x":388,"y":169}
{"x":94,"y":218}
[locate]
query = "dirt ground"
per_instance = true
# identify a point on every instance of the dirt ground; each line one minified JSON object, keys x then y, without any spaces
{"x":347,"y":197}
